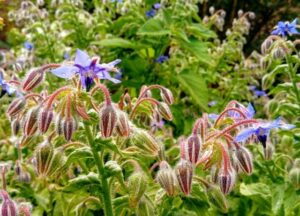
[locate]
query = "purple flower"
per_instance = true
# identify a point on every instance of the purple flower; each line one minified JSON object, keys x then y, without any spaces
{"x":286,"y":28}
{"x":250,"y":111}
{"x":156,"y":6}
{"x":150,"y":13}
{"x":161,"y":59}
{"x":262,"y":131}
{"x":29,"y":46}
{"x":5,"y":87}
{"x":212,"y":103}
{"x":88,"y":69}
{"x":252,"y":87}
{"x":258,"y":93}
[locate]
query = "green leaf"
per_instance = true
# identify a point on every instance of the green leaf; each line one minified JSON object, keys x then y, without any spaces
{"x":77,"y":154}
{"x":200,"y":31}
{"x":153,"y":27}
{"x":195,"y":86}
{"x":91,"y":181}
{"x":116,"y":42}
{"x":258,"y":192}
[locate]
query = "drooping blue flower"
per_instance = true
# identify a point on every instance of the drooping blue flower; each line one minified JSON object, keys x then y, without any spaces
{"x":5,"y":87}
{"x":161,"y":59}
{"x":150,"y":13}
{"x":156,"y":6}
{"x":88,"y":69}
{"x":286,"y":28}
{"x":29,"y":46}
{"x":260,"y":93}
{"x":262,"y":131}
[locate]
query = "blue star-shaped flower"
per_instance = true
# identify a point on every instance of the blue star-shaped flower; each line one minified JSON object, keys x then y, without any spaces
{"x":5,"y":87}
{"x":286,"y":28}
{"x":150,"y":13}
{"x":29,"y":46}
{"x":88,"y":69}
{"x":262,"y":131}
{"x":161,"y":59}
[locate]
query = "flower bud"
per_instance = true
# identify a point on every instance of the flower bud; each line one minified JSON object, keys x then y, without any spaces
{"x":8,"y":206}
{"x":25,"y":209}
{"x":244,"y":158}
{"x":48,"y":159}
{"x":69,"y":126}
{"x":45,"y":117}
{"x":251,"y":15}
{"x":240,"y":13}
{"x":211,"y":10}
{"x":147,"y":94}
{"x":278,"y":53}
{"x":137,"y":185}
{"x":15,"y":126}
{"x":25,"y":140}
{"x":166,"y":178}
{"x":167,"y":96}
{"x":164,"y":111}
{"x":226,"y":180}
{"x":217,"y":198}
{"x":30,"y":122}
{"x":33,"y":79}
{"x":294,"y":176}
{"x":184,"y":174}
{"x":265,"y":46}
{"x":123,"y":128}
{"x":143,"y":140}
{"x":108,"y":120}
{"x":58,"y":124}
{"x":16,"y":106}
{"x":113,"y":168}
{"x":268,"y":151}
{"x":190,"y":149}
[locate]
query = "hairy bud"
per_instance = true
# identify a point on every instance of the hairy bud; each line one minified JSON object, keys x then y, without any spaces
{"x":15,"y":126}
{"x":33,"y":79}
{"x":164,"y":111}
{"x":244,"y":158}
{"x":184,"y":174}
{"x":226,"y":180}
{"x":166,"y":178}
{"x":69,"y":126}
{"x":8,"y":206}
{"x":137,"y":185}
{"x":108,"y":120}
{"x":190,"y":149}
{"x":58,"y":124}
{"x":30,"y":122}
{"x":145,"y":142}
{"x":278,"y":53}
{"x":294,"y":176}
{"x":268,"y":151}
{"x":145,"y":207}
{"x":167,"y":96}
{"x":16,"y":106}
{"x":217,"y":198}
{"x":113,"y":168}
{"x":123,"y":128}
{"x":45,"y":117}
{"x":48,"y":159}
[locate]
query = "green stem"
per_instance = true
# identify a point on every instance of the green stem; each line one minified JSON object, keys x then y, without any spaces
{"x":293,"y":80}
{"x":106,"y":195}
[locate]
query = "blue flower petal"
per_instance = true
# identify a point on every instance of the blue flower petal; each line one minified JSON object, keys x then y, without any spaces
{"x":251,"y":111}
{"x":82,"y":59}
{"x":213,"y":116}
{"x":66,"y":72}
{"x":245,"y":134}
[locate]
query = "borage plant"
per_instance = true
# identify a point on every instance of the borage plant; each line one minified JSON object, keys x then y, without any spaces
{"x":75,"y":146}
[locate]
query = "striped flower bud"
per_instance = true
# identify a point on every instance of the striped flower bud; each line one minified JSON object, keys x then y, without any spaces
{"x":226,"y":180}
{"x":190,"y":149}
{"x":45,"y":117}
{"x":244,"y":158}
{"x":8,"y":206}
{"x":167,"y":96}
{"x":33,"y":79}
{"x":122,"y":127}
{"x":30,"y":122}
{"x":137,"y":185}
{"x":108,"y":120}
{"x":69,"y":126}
{"x":16,"y":106}
{"x":15,"y":126}
{"x":184,"y":174}
{"x":144,"y":141}
{"x":217,"y":198}
{"x":278,"y":53}
{"x":265,"y":46}
{"x":268,"y":151}
{"x":294,"y":176}
{"x":25,"y":140}
{"x":164,"y":111}
{"x":58,"y":124}
{"x":166,"y":178}
{"x":48,"y":160}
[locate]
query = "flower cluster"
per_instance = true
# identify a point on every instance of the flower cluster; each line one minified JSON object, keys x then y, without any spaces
{"x":218,"y":144}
